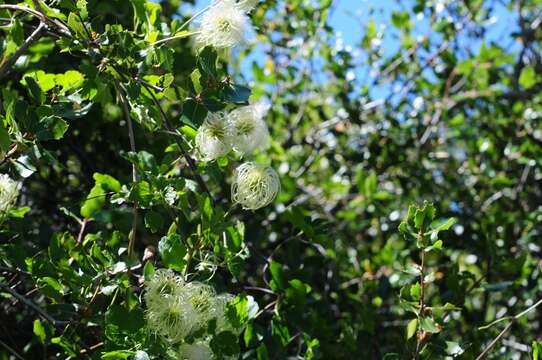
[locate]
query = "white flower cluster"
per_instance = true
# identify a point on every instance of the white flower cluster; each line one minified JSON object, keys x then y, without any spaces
{"x":177,"y":309}
{"x":225,"y":23}
{"x":242,"y":130}
{"x":9,"y":191}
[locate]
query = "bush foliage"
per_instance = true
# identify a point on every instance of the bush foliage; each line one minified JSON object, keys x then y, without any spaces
{"x":408,"y":223}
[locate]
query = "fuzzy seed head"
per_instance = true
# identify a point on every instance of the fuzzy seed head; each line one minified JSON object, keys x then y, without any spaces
{"x":164,"y":283}
{"x":214,"y":137}
{"x":224,"y":25}
{"x":249,"y":129}
{"x":196,"y":351}
{"x":254,"y":186}
{"x":172,"y":318}
{"x":9,"y":191}
{"x":200,"y":297}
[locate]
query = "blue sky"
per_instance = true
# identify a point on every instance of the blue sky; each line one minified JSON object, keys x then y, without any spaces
{"x":349,"y":17}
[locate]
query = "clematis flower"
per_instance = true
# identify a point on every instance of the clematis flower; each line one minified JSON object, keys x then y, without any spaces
{"x":224,"y":25}
{"x":214,"y":136}
{"x":249,"y":128}
{"x":254,"y":186}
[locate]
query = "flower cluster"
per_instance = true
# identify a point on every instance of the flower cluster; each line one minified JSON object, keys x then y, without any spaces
{"x":242,"y":130}
{"x":9,"y":191}
{"x":225,"y":23}
{"x":177,"y":309}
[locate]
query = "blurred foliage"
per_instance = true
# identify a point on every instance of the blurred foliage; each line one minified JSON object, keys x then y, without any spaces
{"x":457,"y":122}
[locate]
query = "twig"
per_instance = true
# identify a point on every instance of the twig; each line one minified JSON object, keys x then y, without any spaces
{"x":513,"y":319}
{"x":63,"y":29}
{"x":169,"y":127}
{"x":419,"y":337}
{"x":33,"y":306}
{"x":11,"y":350}
{"x":82,"y":231}
{"x":131,"y":136}
{"x":8,"y":63}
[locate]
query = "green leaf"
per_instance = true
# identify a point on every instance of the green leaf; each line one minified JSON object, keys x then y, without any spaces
{"x":95,"y":200}
{"x":429,"y":325}
{"x":237,"y":94}
{"x":76,"y":26}
{"x":411,"y":328}
{"x":148,"y":270}
{"x":537,"y":350}
{"x":172,"y":252}
{"x":117,"y":355}
{"x":154,"y":221}
{"x":527,"y":78}
{"x":415,"y":291}
{"x":277,"y":276}
{"x":124,"y":320}
{"x":39,"y":331}
{"x":240,"y":310}
{"x":225,"y":343}
{"x":51,"y":128}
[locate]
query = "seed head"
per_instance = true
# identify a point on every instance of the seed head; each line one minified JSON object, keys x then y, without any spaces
{"x":214,"y":137}
{"x":224,"y":25}
{"x":254,"y":186}
{"x":9,"y":191}
{"x":249,"y":129}
{"x":196,"y":351}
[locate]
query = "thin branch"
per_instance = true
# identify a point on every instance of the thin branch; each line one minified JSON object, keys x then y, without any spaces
{"x":30,"y":304}
{"x":135,"y":176}
{"x":55,"y":23}
{"x":11,"y":350}
{"x":8,"y":63}
{"x":169,"y":127}
{"x":513,"y":319}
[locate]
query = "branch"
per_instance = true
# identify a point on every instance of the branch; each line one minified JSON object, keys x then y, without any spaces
{"x":513,"y":319}
{"x":33,"y":306}
{"x":63,"y":29}
{"x":169,"y":127}
{"x":135,"y":177}
{"x":8,"y":63}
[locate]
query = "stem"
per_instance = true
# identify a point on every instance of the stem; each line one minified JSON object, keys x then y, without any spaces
{"x":8,"y":63}
{"x":513,"y":319}
{"x":32,"y":305}
{"x":124,"y":101}
{"x":179,"y":36}
{"x":169,"y":127}
{"x":82,"y":231}
{"x":419,"y":336}
{"x":11,"y":350}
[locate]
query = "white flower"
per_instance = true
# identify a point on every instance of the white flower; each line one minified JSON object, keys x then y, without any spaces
{"x":164,"y":283}
{"x":172,"y":318}
{"x":214,"y":136}
{"x":249,"y":129}
{"x":141,"y":355}
{"x":9,"y":191}
{"x":196,"y":351}
{"x":224,"y":25}
{"x":254,"y":186}
{"x":201,"y":297}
